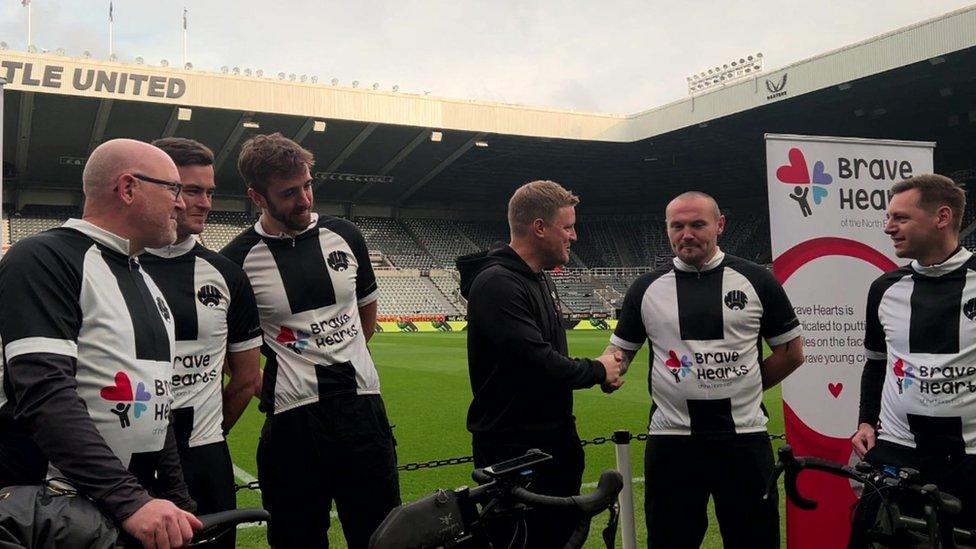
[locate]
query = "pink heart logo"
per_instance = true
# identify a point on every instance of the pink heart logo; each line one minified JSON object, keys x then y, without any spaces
{"x":673,"y":362}
{"x":796,"y":172}
{"x":121,"y":391}
{"x":835,"y":388}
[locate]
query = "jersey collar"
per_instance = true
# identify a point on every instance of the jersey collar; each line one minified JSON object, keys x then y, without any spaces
{"x":174,"y":250}
{"x":715,"y":261}
{"x":260,"y":230}
{"x":110,"y":240}
{"x":954,"y":262}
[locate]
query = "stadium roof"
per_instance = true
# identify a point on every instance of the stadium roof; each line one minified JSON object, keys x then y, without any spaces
{"x":376,"y":148}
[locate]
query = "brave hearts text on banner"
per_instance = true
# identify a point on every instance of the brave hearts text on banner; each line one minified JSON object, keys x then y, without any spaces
{"x":827,"y":203}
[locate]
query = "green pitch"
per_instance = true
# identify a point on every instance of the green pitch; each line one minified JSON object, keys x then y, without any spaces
{"x":425,"y":385}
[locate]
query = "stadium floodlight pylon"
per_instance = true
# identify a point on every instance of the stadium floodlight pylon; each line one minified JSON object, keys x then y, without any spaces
{"x":733,"y":71}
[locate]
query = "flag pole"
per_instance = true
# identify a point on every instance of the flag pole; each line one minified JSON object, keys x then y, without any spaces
{"x":3,"y":237}
{"x":30,"y":42}
{"x":111,"y":19}
{"x":184,"y":37}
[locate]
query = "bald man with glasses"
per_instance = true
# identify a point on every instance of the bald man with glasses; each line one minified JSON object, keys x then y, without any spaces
{"x":88,"y":342}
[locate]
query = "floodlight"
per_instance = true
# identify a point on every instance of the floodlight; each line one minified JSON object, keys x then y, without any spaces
{"x":314,"y":79}
{"x":259,"y":73}
{"x":281,"y":76}
{"x":164,"y":63}
{"x":32,"y":49}
{"x":113,"y":57}
{"x":481,"y":144}
{"x":188,"y":66}
{"x":251,"y":124}
{"x":334,"y":81}
{"x":355,"y":83}
{"x":184,"y":114}
{"x":224,"y":69}
{"x":318,"y":126}
{"x":140,"y":60}
{"x":3,"y":45}
{"x":292,"y":77}
{"x":376,"y":86}
{"x":436,"y":136}
{"x":236,"y":71}
{"x":60,"y":51}
{"x":396,"y":87}
{"x":304,"y":78}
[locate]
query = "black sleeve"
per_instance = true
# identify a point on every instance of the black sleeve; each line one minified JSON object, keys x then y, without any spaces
{"x":243,"y":323}
{"x":47,"y":402}
{"x":365,"y":278}
{"x":503,"y":306}
{"x":875,"y":344}
{"x":778,"y":316}
{"x":630,"y":324}
{"x":872,"y":383}
{"x":169,"y":474}
{"x":40,"y":280}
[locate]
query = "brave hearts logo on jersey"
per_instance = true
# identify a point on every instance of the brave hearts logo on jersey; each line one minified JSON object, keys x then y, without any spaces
{"x":969,"y":309}
{"x":122,"y":394}
{"x":679,"y":368}
{"x":295,"y":342}
{"x":797,"y":173}
{"x":338,"y":260}
{"x":904,"y":375}
{"x":209,"y":296}
{"x":163,"y":309}
{"x":736,"y":300}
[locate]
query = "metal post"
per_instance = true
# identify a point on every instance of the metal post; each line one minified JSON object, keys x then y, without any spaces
{"x":3,"y":82}
{"x":628,"y":534}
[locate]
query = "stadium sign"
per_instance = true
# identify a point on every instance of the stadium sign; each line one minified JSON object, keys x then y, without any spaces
{"x":776,"y":88}
{"x":353,"y":177}
{"x":41,"y":75}
{"x":826,"y":258}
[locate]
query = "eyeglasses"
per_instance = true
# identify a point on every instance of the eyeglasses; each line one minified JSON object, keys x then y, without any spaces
{"x":173,"y":187}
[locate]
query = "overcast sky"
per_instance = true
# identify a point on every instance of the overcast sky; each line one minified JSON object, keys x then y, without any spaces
{"x":603,"y":55}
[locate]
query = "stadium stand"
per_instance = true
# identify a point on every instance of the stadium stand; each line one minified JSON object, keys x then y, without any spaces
{"x":392,"y":238}
{"x":34,"y":219}
{"x":441,"y":238}
{"x":222,"y":227}
{"x":406,"y":292}
{"x":577,"y":292}
{"x":447,"y":283}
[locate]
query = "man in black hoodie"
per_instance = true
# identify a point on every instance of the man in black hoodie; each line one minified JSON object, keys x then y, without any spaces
{"x":521,"y":376}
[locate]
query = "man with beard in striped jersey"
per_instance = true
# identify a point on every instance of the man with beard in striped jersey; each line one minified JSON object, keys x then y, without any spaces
{"x":918,"y":388}
{"x":217,"y":331}
{"x":327,"y":436}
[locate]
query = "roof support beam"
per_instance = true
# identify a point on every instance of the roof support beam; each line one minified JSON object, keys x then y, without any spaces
{"x":404,"y":152}
{"x":101,"y":122}
{"x":172,"y":123}
{"x":24,"y":133}
{"x":439,"y":168}
{"x":231,"y":141}
{"x":347,"y":152}
{"x":302,"y":132}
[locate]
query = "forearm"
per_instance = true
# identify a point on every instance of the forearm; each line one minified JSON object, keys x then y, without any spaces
{"x":783,"y":361}
{"x":367,"y":316}
{"x":170,"y":483}
{"x":626,"y":356}
{"x":245,"y":380}
{"x":872,"y":383}
{"x":58,"y":420}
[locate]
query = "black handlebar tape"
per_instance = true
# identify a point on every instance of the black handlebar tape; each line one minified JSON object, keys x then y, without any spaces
{"x":947,"y":503}
{"x":480,"y":476}
{"x":607,"y":489}
{"x":227,"y":519}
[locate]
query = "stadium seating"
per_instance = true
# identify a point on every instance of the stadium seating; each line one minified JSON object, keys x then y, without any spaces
{"x":577,"y":292}
{"x":408,"y":293}
{"x":441,"y":238}
{"x":393,"y":239}
{"x":222,"y":227}
{"x":34,"y":219}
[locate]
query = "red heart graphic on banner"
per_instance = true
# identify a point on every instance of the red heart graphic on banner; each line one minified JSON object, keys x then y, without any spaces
{"x":121,"y":391}
{"x":835,"y":388}
{"x":796,"y":172}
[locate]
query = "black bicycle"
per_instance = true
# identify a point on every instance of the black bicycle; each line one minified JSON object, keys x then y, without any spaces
{"x":879,"y":519}
{"x":458,"y":518}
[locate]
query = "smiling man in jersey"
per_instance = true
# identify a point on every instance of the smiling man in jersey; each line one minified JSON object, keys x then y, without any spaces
{"x":88,"y":344}
{"x":918,"y":388}
{"x":217,"y":330}
{"x":705,"y":317}
{"x":326,"y":436}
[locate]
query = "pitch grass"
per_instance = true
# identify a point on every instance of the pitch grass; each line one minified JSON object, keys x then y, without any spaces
{"x":425,"y":386}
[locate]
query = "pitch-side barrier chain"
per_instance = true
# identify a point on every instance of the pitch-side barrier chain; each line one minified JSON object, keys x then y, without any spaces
{"x":620,"y":437}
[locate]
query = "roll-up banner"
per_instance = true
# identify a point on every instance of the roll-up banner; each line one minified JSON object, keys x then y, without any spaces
{"x":827,"y":202}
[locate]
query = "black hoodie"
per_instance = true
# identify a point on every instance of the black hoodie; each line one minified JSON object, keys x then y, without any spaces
{"x":521,"y":378}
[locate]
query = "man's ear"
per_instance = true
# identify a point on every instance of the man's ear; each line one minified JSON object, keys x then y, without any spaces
{"x":124,"y":189}
{"x":257,"y":198}
{"x":721,"y":224}
{"x":539,"y":227}
{"x":943,"y":217}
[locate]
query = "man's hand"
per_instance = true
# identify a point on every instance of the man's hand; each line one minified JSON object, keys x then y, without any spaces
{"x":160,"y":524}
{"x":864,"y":439}
{"x":612,"y":364}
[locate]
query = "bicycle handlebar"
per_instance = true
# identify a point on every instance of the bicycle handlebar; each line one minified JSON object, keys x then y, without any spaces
{"x":217,"y":524}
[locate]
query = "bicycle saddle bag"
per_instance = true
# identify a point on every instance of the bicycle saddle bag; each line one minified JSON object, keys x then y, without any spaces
{"x":428,"y":522}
